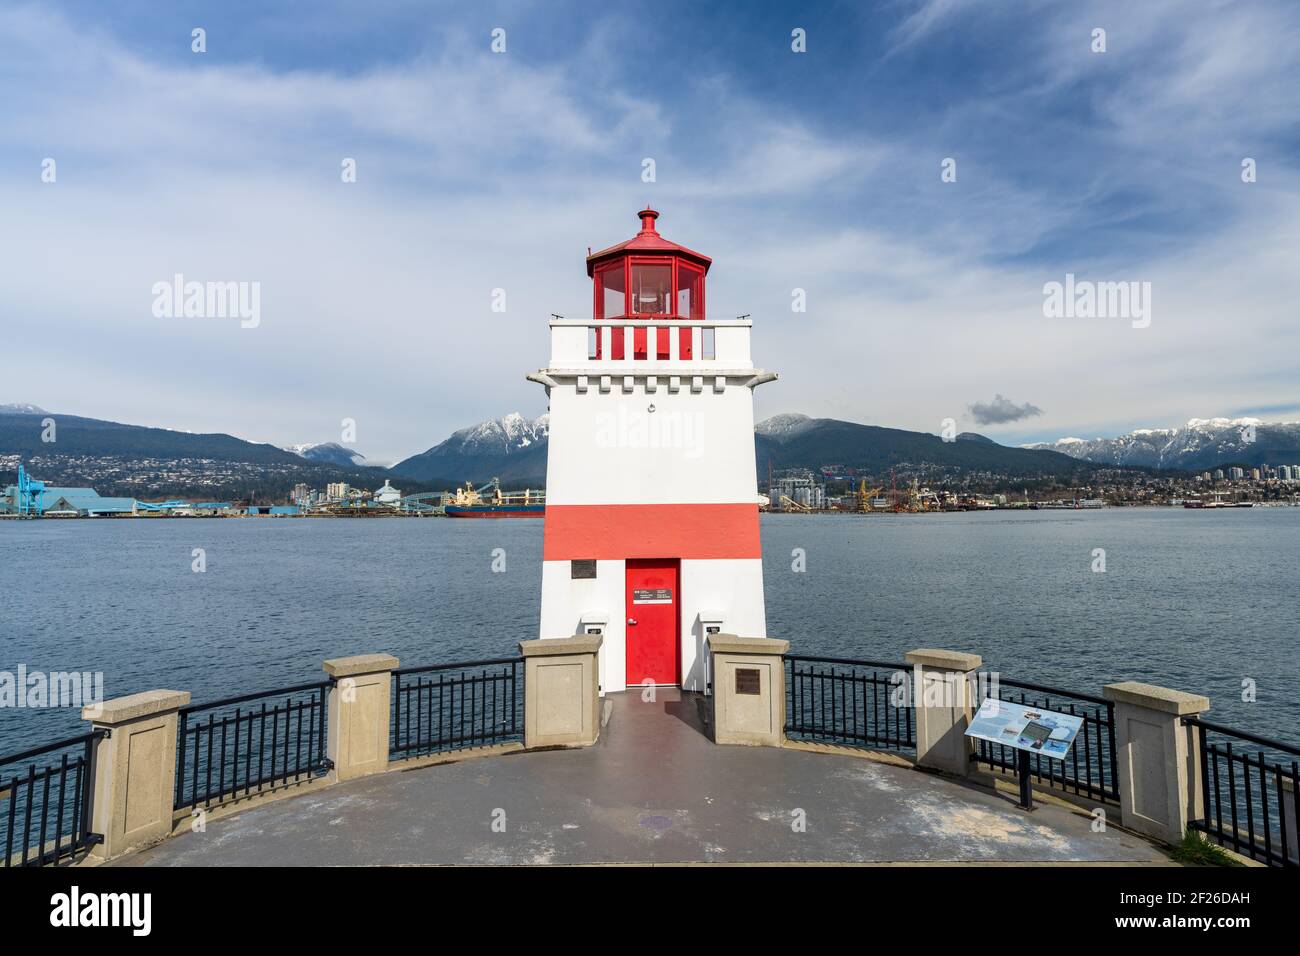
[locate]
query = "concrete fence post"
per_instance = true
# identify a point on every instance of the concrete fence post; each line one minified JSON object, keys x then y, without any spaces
{"x":134,"y":769}
{"x":748,"y":690}
{"x":561,"y":691}
{"x":1159,"y":758}
{"x":942,"y":691}
{"x":358,"y":714}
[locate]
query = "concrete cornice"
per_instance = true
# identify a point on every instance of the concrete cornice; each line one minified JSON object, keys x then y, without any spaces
{"x":942,"y":659}
{"x":551,"y":646}
{"x":643,"y":370}
{"x":732,"y":644}
{"x":651,"y":323}
{"x":123,"y":709}
{"x":1156,"y":698}
{"x":361,"y":664}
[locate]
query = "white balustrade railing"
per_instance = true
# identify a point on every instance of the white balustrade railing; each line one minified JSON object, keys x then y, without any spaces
{"x":715,"y":344}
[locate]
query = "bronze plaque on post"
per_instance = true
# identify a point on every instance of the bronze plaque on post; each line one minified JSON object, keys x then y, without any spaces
{"x":748,"y":681}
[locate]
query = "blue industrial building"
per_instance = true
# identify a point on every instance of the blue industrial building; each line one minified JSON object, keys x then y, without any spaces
{"x":36,"y":498}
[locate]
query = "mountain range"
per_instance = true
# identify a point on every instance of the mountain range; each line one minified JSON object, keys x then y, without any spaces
{"x":329,"y":453}
{"x":512,"y":448}
{"x":1203,"y":443}
{"x":797,"y":441}
{"x":150,"y":462}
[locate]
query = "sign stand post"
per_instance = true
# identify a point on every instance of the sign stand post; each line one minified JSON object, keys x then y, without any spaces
{"x":1026,"y":788}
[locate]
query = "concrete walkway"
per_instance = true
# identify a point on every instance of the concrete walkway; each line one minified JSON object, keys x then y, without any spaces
{"x":653,"y":790}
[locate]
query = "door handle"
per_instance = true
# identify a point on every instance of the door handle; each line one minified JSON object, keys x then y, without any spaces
{"x":631,"y":620}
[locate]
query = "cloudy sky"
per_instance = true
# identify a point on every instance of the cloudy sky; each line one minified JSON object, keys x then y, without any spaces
{"x":818,"y":171}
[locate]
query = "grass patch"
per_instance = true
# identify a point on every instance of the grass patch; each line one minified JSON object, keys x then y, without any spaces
{"x":1194,"y":851}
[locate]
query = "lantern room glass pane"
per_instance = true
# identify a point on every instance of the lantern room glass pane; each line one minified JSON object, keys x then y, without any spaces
{"x":690,"y":292}
{"x":612,"y":299}
{"x":652,"y":289}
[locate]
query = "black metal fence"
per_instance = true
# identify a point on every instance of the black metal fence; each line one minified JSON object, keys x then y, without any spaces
{"x":1090,"y":768}
{"x":239,"y":745}
{"x":1249,"y":798}
{"x":452,"y":706}
{"x":45,"y":801}
{"x":860,"y":703}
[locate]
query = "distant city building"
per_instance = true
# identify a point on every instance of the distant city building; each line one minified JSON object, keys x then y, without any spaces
{"x":802,"y":490}
{"x":388,"y":495}
{"x":337,"y":491}
{"x":75,"y":503}
{"x":1218,"y":474}
{"x":1235,"y":473}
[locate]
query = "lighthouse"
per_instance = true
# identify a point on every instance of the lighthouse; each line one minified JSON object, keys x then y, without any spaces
{"x":651,"y":534}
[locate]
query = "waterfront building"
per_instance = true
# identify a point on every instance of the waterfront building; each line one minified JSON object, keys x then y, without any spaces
{"x":803,"y":490}
{"x":337,"y":491}
{"x":88,"y":506}
{"x":813,"y":498}
{"x":57,"y":502}
{"x":651,"y":532}
{"x":388,"y":496}
{"x":276,"y":511}
{"x":47,"y":496}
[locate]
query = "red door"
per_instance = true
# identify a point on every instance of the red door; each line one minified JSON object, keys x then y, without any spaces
{"x":652,"y":621}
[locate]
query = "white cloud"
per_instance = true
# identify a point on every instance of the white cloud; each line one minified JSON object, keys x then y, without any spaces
{"x":480,"y":172}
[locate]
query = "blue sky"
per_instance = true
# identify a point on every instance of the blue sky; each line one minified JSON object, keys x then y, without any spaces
{"x":816,"y":170}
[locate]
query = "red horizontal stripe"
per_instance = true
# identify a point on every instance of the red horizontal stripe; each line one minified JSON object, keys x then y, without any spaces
{"x":610,"y":532}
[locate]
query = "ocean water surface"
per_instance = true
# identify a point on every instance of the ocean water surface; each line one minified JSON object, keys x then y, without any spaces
{"x":1200,"y":601}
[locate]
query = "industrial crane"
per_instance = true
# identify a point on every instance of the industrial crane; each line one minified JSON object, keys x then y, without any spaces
{"x":865,"y":497}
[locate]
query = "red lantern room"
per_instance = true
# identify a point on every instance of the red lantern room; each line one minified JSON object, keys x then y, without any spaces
{"x":648,"y":277}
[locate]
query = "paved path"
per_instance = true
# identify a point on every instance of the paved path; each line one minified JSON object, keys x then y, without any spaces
{"x":653,"y":790}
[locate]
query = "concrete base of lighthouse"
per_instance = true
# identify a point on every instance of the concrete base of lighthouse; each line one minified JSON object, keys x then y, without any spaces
{"x":718,"y":594}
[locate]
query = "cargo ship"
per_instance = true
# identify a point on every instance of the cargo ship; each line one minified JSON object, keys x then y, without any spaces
{"x":489,"y":501}
{"x":495,"y":511}
{"x":1216,"y":503}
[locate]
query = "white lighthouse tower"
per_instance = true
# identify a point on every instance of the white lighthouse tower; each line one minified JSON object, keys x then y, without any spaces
{"x":652,"y":533}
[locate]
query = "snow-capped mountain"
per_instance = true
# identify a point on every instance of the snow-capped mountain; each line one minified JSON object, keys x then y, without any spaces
{"x":785,"y":425}
{"x":1201,"y":443}
{"x":329,"y":453}
{"x":22,"y":408}
{"x":502,"y":435}
{"x":512,"y":448}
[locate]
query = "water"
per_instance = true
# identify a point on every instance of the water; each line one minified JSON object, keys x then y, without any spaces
{"x":1198,"y":601}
